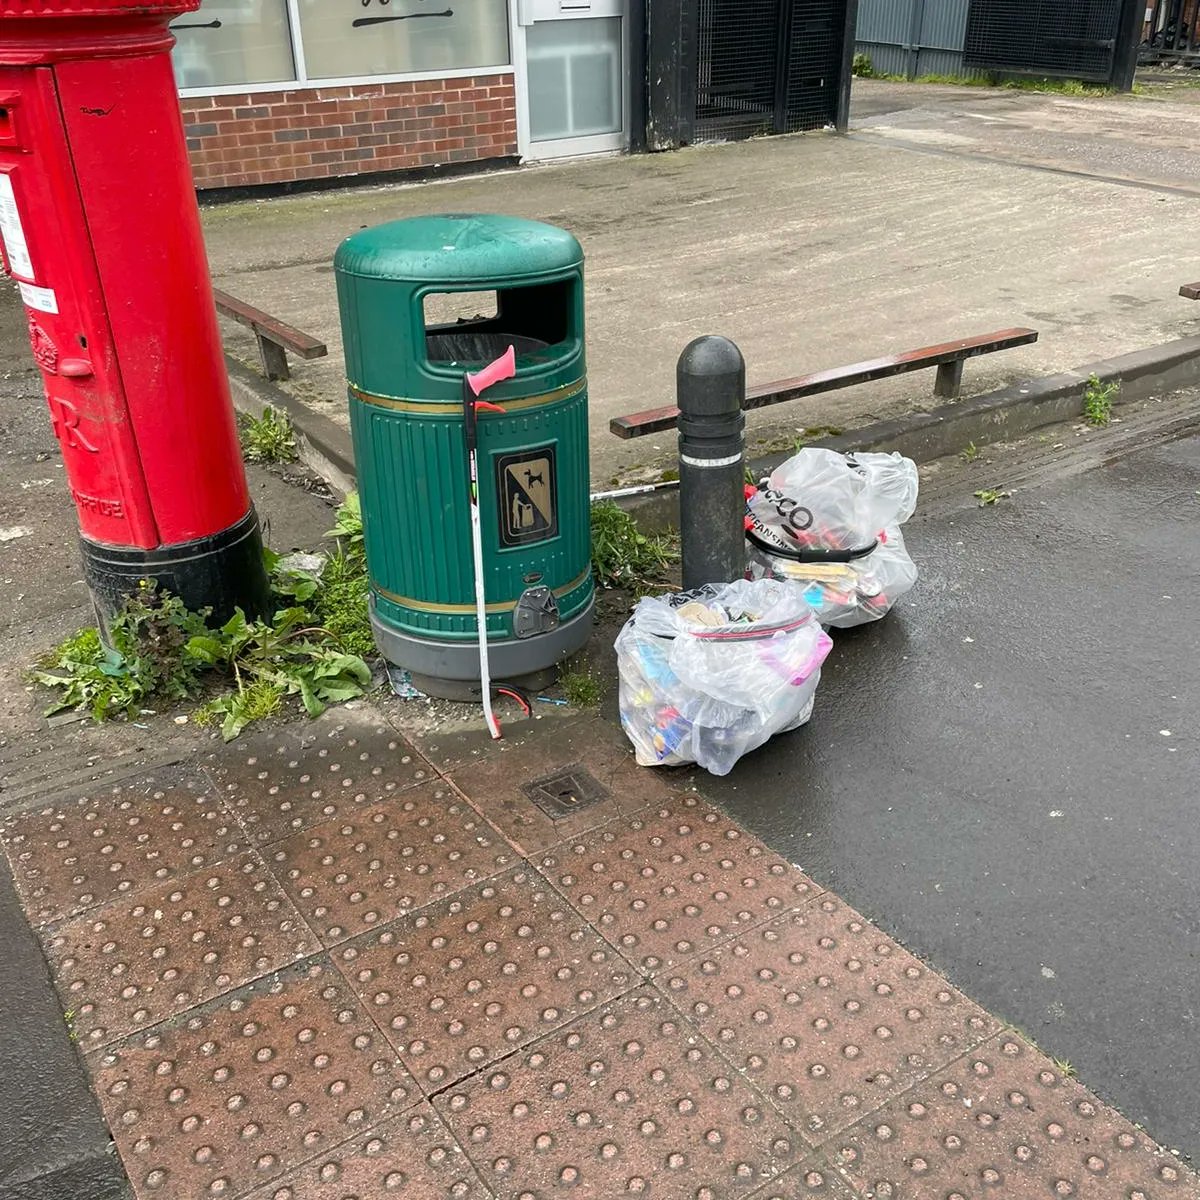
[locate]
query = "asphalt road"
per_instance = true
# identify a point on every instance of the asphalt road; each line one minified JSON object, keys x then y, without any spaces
{"x":1003,"y":774}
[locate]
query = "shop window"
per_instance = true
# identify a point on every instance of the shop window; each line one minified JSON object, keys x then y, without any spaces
{"x":233,"y":42}
{"x":356,"y":38}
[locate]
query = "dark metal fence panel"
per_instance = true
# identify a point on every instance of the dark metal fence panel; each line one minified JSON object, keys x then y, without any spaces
{"x":1072,"y":38}
{"x":816,"y":46}
{"x":736,"y":68}
{"x":769,"y":66}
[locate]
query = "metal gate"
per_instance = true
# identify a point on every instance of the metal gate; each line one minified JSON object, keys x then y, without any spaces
{"x":1073,"y":38}
{"x":769,"y":66}
{"x":1172,"y":32}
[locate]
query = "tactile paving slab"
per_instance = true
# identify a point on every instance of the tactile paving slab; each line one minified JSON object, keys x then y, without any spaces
{"x":626,"y":1101}
{"x":409,"y":1156}
{"x":495,"y":784}
{"x":825,"y":1015}
{"x":1002,"y":1121}
{"x":471,"y":979}
{"x":277,"y":784}
{"x":674,"y":881}
{"x":133,"y":963}
{"x":240,"y":1090}
{"x":355,"y":873}
{"x":808,"y":1180}
{"x":78,"y":854}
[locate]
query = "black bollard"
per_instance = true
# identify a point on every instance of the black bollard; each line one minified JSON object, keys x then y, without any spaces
{"x":711,"y":385}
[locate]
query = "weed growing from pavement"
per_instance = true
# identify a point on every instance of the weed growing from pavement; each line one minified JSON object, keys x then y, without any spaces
{"x":970,"y":452}
{"x":988,"y":496}
{"x":312,"y":649}
{"x":582,"y":687}
{"x":1098,"y":400}
{"x":1064,"y":1068}
{"x":864,"y":69}
{"x":621,"y":553}
{"x":269,"y":438}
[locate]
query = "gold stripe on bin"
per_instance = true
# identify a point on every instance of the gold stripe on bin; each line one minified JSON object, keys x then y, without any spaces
{"x":436,"y":408}
{"x":502,"y":606}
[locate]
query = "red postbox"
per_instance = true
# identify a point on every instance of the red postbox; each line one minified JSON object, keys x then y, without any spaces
{"x":101,"y":232}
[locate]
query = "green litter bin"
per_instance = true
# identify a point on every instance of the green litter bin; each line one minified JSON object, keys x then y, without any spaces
{"x":423,"y":301}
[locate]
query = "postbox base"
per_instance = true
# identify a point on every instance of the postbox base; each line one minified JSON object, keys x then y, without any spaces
{"x":450,"y":670}
{"x":223,"y":571}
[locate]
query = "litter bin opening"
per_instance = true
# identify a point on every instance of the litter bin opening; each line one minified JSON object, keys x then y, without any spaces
{"x":471,"y":328}
{"x":468,"y":347}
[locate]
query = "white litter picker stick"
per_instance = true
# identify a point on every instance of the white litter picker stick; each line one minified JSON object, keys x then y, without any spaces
{"x":505,"y":367}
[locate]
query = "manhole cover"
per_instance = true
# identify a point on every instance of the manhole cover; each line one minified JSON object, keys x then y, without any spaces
{"x":565,"y":792}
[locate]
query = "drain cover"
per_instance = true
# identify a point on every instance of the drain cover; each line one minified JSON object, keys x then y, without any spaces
{"x":565,"y":792}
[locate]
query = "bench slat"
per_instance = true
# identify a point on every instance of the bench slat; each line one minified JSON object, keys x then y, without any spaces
{"x":271,"y":328}
{"x":1190,"y":291}
{"x":655,"y":420}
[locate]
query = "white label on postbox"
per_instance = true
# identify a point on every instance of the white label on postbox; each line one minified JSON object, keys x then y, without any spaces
{"x":12,"y":231}
{"x":43,"y":299}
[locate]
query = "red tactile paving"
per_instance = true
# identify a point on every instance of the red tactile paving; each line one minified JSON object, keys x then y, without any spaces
{"x":354,"y":873}
{"x":409,"y":1156}
{"x":135,"y":962}
{"x":622,"y":1102}
{"x":825,"y":1015}
{"x":494,"y":783}
{"x":674,"y":881}
{"x":277,"y":784}
{"x":76,"y":855}
{"x":814,"y":1179}
{"x":1003,"y":1122}
{"x":471,"y":979}
{"x":239,"y":1090}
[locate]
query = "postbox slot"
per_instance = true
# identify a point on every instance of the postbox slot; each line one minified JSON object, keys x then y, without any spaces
{"x":9,"y":125}
{"x":537,"y":320}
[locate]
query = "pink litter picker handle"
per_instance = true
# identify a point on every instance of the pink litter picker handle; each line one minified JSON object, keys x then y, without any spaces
{"x":505,"y":367}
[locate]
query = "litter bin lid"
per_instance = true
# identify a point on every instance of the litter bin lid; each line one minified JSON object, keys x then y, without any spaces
{"x":458,"y":248}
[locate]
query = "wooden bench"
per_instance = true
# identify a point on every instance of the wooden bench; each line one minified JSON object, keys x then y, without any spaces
{"x":947,"y":358}
{"x":1190,"y":291}
{"x":275,"y":337}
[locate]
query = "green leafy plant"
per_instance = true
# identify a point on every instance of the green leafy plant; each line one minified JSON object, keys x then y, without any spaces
{"x":348,"y":528}
{"x":269,"y":438}
{"x":970,"y":452}
{"x":289,"y":581}
{"x":341,"y":604}
{"x":621,"y":553}
{"x":286,"y":657}
{"x":1064,"y":1068}
{"x":863,"y":67}
{"x":161,"y":652}
{"x":987,"y":496}
{"x":1098,"y":400}
{"x":582,"y":687}
{"x":146,"y":659}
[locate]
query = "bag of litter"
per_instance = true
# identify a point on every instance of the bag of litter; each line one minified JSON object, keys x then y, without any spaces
{"x":831,"y":522}
{"x":708,"y":675}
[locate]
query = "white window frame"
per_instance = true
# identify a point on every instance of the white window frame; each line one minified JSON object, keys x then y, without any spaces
{"x":302,"y":82}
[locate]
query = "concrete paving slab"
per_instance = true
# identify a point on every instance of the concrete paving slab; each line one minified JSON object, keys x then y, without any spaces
{"x":244,"y":1088}
{"x":810,"y":251}
{"x":473,"y":979}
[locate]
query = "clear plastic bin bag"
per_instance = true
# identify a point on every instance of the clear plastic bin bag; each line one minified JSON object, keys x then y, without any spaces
{"x":844,"y":594}
{"x":707,"y":676}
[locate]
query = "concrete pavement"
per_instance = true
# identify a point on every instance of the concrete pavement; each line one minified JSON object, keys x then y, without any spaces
{"x":935,"y":220}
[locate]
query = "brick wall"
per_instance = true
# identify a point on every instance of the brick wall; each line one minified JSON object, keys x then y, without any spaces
{"x":324,"y":132}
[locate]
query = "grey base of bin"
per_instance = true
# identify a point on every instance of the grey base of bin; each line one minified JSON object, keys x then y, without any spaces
{"x":450,"y":670}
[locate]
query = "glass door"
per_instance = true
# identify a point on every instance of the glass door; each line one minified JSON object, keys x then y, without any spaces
{"x":572,"y":77}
